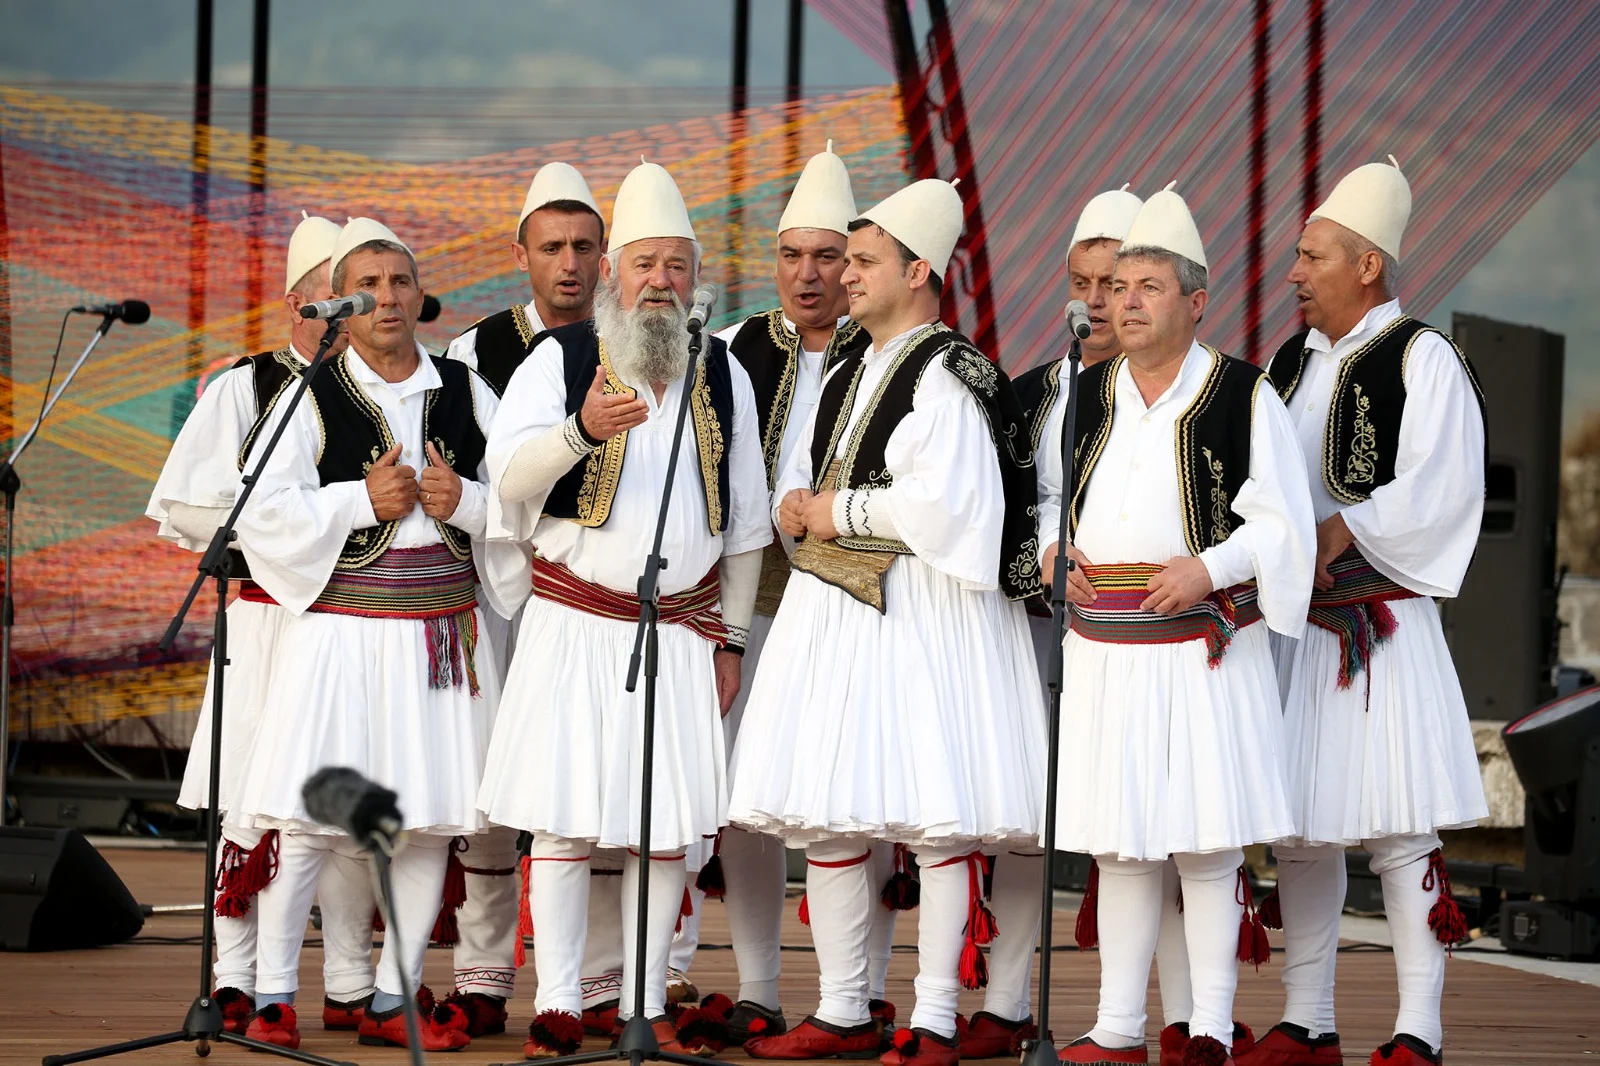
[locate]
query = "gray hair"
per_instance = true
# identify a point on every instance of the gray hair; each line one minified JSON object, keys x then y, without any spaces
{"x":1355,"y":246}
{"x":341,"y":272}
{"x":1191,"y":275}
{"x":614,"y":257}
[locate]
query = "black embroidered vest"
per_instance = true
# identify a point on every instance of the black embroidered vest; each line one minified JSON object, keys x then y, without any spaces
{"x":1037,"y":390}
{"x":355,"y":434}
{"x":273,"y":373}
{"x":863,"y":465}
{"x":770,"y":354}
{"x":1212,"y":443}
{"x":1362,"y":435}
{"x":504,"y":339}
{"x":584,"y":493}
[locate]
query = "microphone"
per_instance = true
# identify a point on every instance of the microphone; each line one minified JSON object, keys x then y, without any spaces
{"x":359,"y":303}
{"x":133,"y":312}
{"x":430,"y":308}
{"x":1078,"y":319}
{"x":341,"y":797}
{"x":705,"y":298}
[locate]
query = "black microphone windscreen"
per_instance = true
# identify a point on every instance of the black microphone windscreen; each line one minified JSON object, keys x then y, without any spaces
{"x":430,"y":308}
{"x":342,"y":797}
{"x":135,"y":312}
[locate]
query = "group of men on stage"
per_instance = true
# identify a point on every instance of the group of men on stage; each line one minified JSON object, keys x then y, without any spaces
{"x":442,"y":558}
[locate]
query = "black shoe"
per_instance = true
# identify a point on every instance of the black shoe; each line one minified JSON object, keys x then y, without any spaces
{"x":750,"y":1020}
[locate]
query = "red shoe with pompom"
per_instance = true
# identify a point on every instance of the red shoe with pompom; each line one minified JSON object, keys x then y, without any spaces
{"x":750,"y":1020}
{"x":1085,"y":1052}
{"x":921,"y":1047}
{"x":442,"y":1029}
{"x":990,"y":1036}
{"x":553,"y":1033}
{"x":1206,"y":1051}
{"x":275,"y":1023}
{"x":236,"y":1009}
{"x":814,"y":1038}
{"x":485,"y":1014}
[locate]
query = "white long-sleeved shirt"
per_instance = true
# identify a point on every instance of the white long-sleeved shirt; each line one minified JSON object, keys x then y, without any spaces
{"x":1132,"y":511}
{"x":612,"y":554}
{"x":202,"y":469}
{"x":946,"y":502}
{"x":294,"y":527}
{"x":1420,"y":529}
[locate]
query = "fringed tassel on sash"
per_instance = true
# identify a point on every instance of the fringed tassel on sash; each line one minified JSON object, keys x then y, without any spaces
{"x":712,"y":880}
{"x":902,"y":892}
{"x":243,"y":872}
{"x":1087,"y":930}
{"x":524,"y":915}
{"x":445,"y":930}
{"x":1254,"y":947}
{"x":452,"y":651}
{"x":1356,"y":611}
{"x":1444,"y":917}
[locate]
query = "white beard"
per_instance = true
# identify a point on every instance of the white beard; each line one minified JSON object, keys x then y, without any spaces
{"x":642,"y":345}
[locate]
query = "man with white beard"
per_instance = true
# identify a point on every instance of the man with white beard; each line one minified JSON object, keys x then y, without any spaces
{"x":577,"y":468}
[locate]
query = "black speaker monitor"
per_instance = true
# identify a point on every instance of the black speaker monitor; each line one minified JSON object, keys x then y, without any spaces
{"x":57,"y":892}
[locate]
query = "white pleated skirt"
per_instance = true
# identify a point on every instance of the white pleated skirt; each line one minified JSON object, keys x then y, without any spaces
{"x":1163,"y":754}
{"x":253,"y":630}
{"x":567,"y":754}
{"x":923,"y":725}
{"x":354,"y":692}
{"x":1391,"y":754}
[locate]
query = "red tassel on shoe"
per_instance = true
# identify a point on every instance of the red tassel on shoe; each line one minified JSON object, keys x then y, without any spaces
{"x":454,"y":894}
{"x":1444,"y":917}
{"x":1254,"y":947}
{"x":906,"y":1041}
{"x":1271,"y":911}
{"x":712,"y":881}
{"x":525,"y":924}
{"x":1087,"y":931}
{"x":805,"y":909}
{"x":902,"y":892}
{"x":555,"y":1030}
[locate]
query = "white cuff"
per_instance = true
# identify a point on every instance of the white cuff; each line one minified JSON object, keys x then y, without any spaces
{"x":197,"y":524}
{"x":540,"y":461}
{"x":739,"y":575}
{"x":365,"y":517}
{"x":471,"y":515}
{"x":861,"y":513}
{"x":1228,"y":563}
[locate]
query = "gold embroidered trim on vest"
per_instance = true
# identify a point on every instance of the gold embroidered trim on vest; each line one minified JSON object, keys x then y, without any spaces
{"x":284,"y":356}
{"x":1183,"y":448}
{"x":783,"y":401}
{"x":525,"y":330}
{"x":845,"y":475}
{"x":1330,"y":447}
{"x":1096,"y":446}
{"x":1362,"y":463}
{"x":602,"y":467}
{"x":708,"y":442}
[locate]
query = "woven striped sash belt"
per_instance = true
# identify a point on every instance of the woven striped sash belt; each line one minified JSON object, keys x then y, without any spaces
{"x":699,"y":608}
{"x":428,"y":584}
{"x":1355,"y":610}
{"x":1115,"y":618}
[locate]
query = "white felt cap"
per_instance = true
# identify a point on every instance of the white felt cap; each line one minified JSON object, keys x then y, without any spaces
{"x":925,"y":216}
{"x":822,"y":198}
{"x":648,"y":205}
{"x":309,"y":247}
{"x":1165,"y":222}
{"x":1107,"y":216}
{"x":359,"y":231}
{"x":1373,"y":201}
{"x":552,"y":182}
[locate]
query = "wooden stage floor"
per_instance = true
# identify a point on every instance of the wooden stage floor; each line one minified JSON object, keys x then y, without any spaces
{"x":57,"y":1002}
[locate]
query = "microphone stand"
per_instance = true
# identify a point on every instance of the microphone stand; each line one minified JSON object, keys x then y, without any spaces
{"x":381,"y":851}
{"x":203,"y":1023}
{"x":10,"y":484}
{"x":638,"y":1040}
{"x":1042,"y":1050}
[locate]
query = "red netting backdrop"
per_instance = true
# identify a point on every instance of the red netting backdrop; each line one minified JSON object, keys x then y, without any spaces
{"x":1036,"y":106}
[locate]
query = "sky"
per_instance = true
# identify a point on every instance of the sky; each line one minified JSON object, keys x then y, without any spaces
{"x":1543,"y":272}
